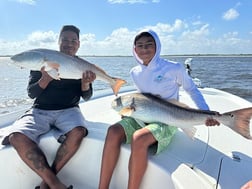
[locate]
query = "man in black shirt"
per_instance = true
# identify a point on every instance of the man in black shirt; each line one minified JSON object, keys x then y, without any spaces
{"x":56,"y":104}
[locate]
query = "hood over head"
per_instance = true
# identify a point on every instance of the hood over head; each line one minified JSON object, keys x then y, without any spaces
{"x":158,"y":46}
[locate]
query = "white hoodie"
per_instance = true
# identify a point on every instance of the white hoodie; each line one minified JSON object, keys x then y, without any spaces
{"x":163,"y":78}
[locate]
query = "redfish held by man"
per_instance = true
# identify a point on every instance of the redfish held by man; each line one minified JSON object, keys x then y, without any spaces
{"x":149,"y":108}
{"x":60,"y":65}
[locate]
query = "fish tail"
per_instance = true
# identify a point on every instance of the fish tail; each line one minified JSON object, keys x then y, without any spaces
{"x":241,"y":121}
{"x":117,"y":85}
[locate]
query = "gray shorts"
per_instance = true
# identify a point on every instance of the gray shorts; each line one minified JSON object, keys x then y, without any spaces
{"x":36,"y":122}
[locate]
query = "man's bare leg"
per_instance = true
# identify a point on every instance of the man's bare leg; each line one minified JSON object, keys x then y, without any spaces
{"x":33,"y":156}
{"x":66,"y":151}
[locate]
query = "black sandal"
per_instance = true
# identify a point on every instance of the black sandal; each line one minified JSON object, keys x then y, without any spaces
{"x":69,"y":187}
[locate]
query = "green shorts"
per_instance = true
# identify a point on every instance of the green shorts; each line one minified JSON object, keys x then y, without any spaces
{"x":161,"y":132}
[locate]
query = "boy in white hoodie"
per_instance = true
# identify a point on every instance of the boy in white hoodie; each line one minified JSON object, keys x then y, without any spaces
{"x":159,"y":77}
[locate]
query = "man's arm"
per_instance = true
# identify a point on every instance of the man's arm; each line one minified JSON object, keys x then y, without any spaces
{"x":86,"y":84}
{"x":38,"y":81}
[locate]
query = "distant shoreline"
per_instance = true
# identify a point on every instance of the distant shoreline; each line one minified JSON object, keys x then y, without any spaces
{"x":168,"y":55}
{"x":178,"y":55}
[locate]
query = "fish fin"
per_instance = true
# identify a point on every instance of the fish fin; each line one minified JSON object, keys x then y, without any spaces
{"x":54,"y":74}
{"x":176,"y":102}
{"x":241,"y":121}
{"x":52,"y":69}
{"x":117,"y":85}
{"x":53,"y":65}
{"x":127,"y":111}
{"x":189,"y":131}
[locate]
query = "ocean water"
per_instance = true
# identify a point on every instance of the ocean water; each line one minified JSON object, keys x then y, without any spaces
{"x":232,"y":74}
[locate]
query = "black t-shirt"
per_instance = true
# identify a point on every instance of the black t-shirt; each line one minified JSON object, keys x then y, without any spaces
{"x":59,"y":94}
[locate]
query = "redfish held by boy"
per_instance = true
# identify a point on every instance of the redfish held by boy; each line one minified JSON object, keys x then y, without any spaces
{"x":149,"y":108}
{"x":60,"y":65}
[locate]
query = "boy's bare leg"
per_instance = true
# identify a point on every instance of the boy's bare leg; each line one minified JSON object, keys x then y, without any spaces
{"x":141,"y":141}
{"x":115,"y":137}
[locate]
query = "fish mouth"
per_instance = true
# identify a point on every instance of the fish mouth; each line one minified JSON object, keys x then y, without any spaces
{"x":15,"y":57}
{"x":117,"y":103}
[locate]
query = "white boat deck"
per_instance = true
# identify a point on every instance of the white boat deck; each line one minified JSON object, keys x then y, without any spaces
{"x":186,"y":163}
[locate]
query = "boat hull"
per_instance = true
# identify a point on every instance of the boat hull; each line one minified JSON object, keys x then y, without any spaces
{"x":205,"y":162}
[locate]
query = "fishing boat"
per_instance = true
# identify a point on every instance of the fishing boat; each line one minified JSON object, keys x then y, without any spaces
{"x":188,"y":67}
{"x":217,"y":157}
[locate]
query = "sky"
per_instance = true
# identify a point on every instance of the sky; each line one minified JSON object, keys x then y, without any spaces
{"x":108,"y":27}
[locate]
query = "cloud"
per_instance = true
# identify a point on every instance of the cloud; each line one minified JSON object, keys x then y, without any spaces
{"x":179,"y":37}
{"x":119,"y":42}
{"x":39,"y":38}
{"x":30,"y":2}
{"x":230,"y":35}
{"x":132,"y":1}
{"x":231,"y":14}
{"x":165,"y":28}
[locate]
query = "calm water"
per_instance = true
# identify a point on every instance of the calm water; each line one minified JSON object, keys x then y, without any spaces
{"x":231,"y":74}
